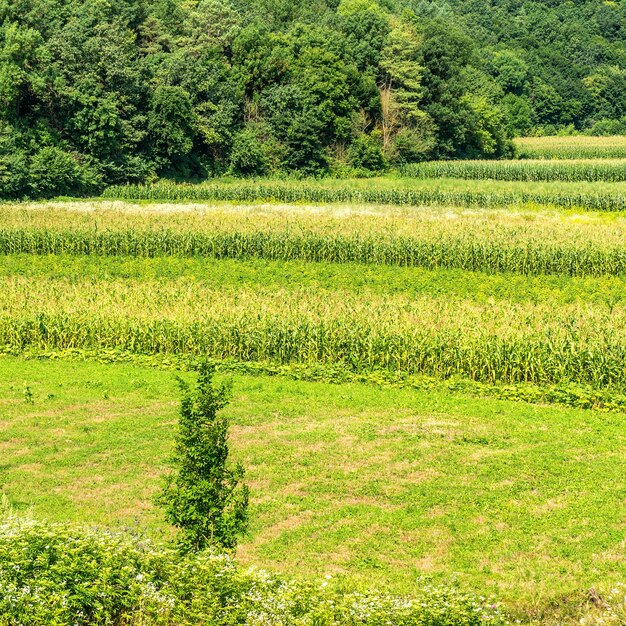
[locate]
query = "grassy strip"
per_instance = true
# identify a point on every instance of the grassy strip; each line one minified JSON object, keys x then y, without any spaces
{"x":280,"y":275}
{"x":435,"y":336}
{"x":572,"y":395}
{"x":309,"y":192}
{"x":529,"y":170}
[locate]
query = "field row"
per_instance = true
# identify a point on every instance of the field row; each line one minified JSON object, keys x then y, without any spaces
{"x":474,"y":242}
{"x":419,"y":193}
{"x":529,"y":170}
{"x":574,"y":147}
{"x":435,"y":336}
{"x":359,"y":279}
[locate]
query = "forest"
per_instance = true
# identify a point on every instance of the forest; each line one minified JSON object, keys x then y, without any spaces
{"x":102,"y":92}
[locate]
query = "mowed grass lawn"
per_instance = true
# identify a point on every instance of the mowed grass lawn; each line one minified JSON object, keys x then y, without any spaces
{"x":525,"y":502}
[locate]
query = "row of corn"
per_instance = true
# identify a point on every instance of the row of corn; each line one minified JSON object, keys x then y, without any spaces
{"x":307,"y":192}
{"x":468,"y":252}
{"x":531,"y":171}
{"x":435,"y":336}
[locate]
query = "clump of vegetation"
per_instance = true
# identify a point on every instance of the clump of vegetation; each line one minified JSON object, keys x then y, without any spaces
{"x":204,"y":496}
{"x":64,"y":575}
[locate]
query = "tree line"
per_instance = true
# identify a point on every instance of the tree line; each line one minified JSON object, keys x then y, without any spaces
{"x":99,"y":92}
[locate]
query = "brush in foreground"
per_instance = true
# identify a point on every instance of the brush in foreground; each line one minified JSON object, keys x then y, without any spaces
{"x":63,"y":575}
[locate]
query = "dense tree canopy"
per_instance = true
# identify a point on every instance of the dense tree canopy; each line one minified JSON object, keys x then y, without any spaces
{"x":94,"y":92}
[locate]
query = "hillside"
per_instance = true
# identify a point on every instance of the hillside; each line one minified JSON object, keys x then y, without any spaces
{"x":95,"y":92}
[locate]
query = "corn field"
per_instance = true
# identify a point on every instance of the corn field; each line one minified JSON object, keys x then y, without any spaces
{"x":605,"y":170}
{"x":468,"y":253}
{"x":308,"y":192}
{"x":435,"y":336}
{"x":576,"y":147}
{"x":549,"y":334}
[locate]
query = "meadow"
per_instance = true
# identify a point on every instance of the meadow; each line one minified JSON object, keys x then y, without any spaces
{"x":428,"y":372}
{"x":380,"y":485}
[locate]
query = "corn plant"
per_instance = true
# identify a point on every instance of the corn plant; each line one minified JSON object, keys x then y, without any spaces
{"x":432,"y":335}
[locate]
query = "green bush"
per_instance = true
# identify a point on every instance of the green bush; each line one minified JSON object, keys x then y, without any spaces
{"x":54,"y":172}
{"x":204,"y":496}
{"x":366,"y":153}
{"x":59,"y":575}
{"x":247,"y":156}
{"x":13,"y":164}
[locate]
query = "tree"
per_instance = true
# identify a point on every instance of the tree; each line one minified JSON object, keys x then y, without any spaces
{"x":204,"y":496}
{"x":403,"y":122}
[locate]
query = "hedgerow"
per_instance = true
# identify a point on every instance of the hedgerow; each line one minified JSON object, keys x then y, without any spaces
{"x":61,"y":575}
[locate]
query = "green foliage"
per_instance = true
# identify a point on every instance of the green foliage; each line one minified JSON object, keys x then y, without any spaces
{"x":172,"y":88}
{"x":14,"y":174}
{"x":204,"y":497}
{"x":54,"y":172}
{"x":248,"y":154}
{"x":60,"y":574}
{"x":366,"y":153}
{"x":171,"y":121}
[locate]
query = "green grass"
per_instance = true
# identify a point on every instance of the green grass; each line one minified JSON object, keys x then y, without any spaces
{"x":521,"y":501}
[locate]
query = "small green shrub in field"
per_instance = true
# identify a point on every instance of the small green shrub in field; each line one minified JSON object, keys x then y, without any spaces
{"x":59,"y":575}
{"x":204,"y":496}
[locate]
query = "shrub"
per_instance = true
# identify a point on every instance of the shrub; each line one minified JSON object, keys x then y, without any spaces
{"x":366,"y":153}
{"x":54,"y":172}
{"x":247,"y":156}
{"x":59,"y":575}
{"x":13,"y":164}
{"x":204,"y":497}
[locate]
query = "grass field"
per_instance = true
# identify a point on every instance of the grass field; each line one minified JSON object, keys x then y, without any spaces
{"x":382,"y":485}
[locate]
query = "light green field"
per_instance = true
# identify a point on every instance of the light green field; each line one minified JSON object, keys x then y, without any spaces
{"x":529,"y":170}
{"x":523,"y":502}
{"x":381,"y":481}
